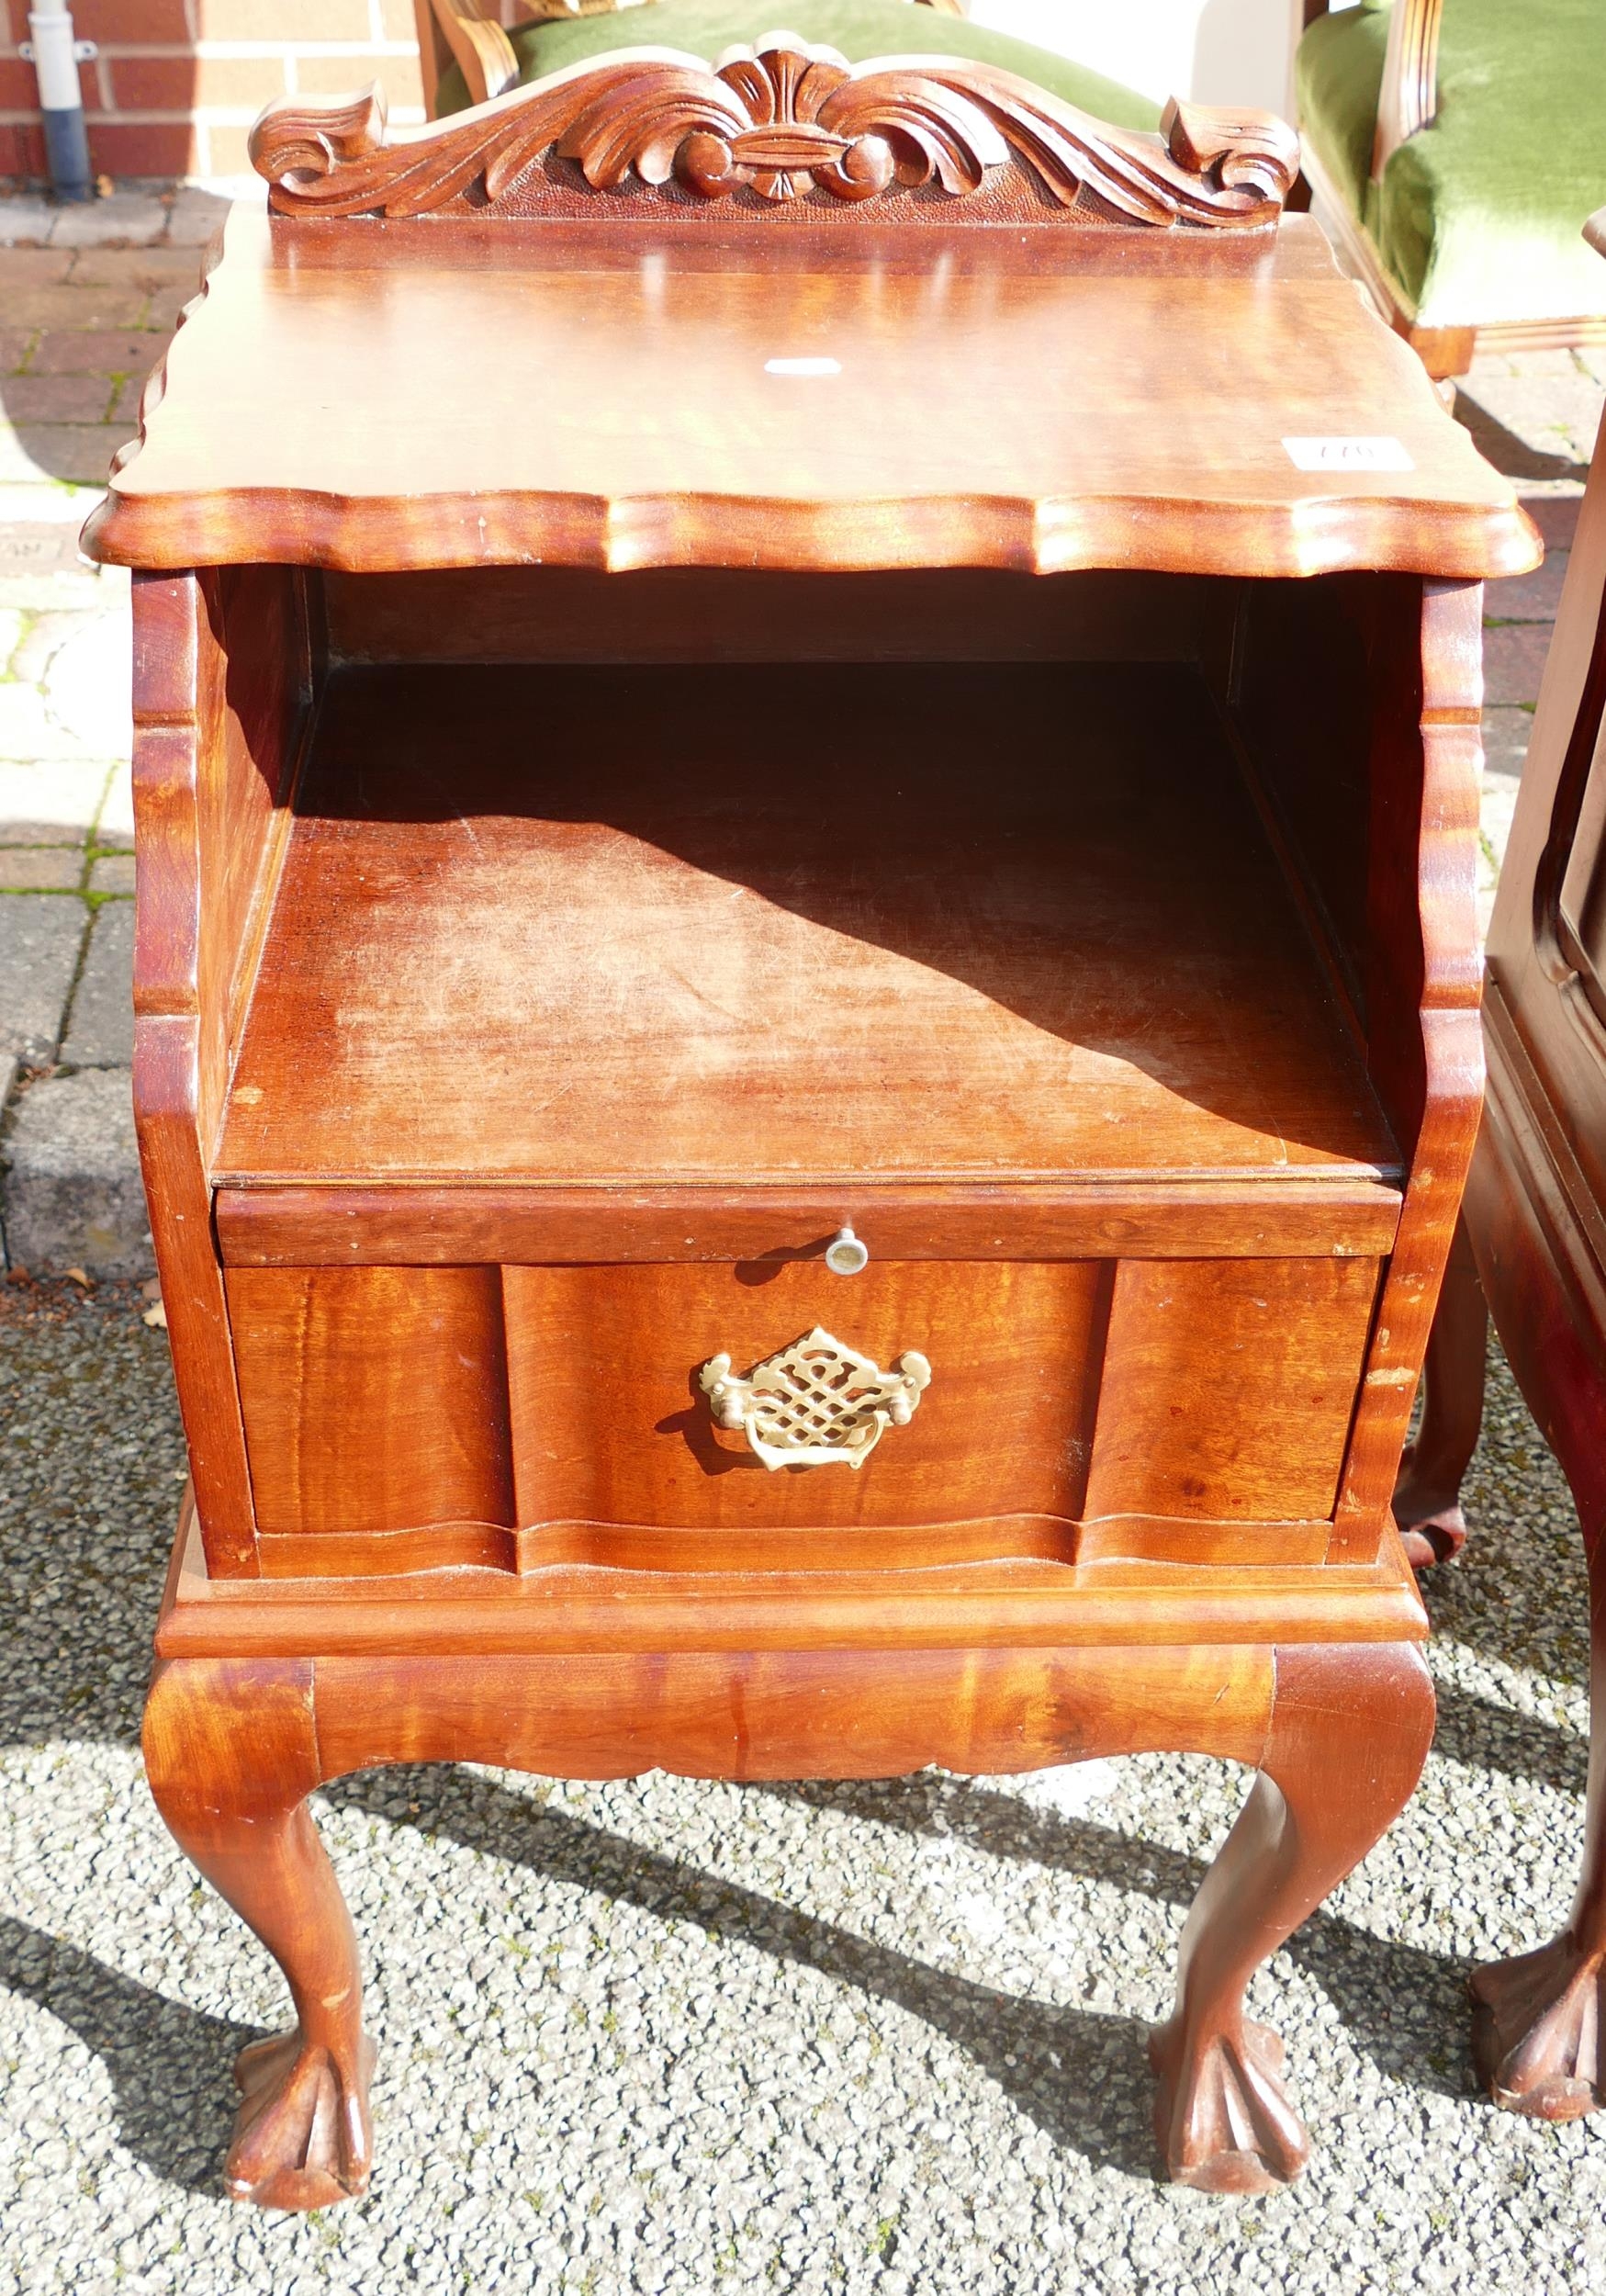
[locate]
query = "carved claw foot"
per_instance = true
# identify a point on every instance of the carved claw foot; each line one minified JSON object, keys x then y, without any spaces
{"x":1431,"y":1526}
{"x":1222,"y":2115}
{"x":303,"y":2138}
{"x":1536,"y":2031}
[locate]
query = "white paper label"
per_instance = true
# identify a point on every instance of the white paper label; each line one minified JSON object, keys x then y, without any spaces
{"x":802,"y":366}
{"x":1347,"y":453}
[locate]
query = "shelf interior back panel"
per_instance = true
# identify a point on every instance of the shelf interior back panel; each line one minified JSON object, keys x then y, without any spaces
{"x":765,"y":925}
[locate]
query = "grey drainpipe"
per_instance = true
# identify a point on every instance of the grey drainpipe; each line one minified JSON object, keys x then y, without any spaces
{"x":55,"y":56}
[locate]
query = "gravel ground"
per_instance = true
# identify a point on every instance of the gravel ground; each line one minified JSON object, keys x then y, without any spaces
{"x":678,"y":2037}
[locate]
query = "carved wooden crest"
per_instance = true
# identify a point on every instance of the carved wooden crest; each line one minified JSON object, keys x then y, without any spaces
{"x":778,"y":122}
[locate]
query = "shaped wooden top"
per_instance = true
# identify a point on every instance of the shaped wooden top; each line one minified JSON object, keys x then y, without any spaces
{"x":625,"y":350}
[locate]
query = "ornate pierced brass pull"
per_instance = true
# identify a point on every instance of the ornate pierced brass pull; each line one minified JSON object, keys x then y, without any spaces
{"x":817,"y":1403}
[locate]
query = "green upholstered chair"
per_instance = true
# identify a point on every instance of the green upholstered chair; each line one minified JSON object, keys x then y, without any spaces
{"x":467,"y":57}
{"x":1455,"y":148}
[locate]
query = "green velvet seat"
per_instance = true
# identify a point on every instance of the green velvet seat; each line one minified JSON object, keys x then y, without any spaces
{"x":859,"y":28}
{"x":1477,"y":218}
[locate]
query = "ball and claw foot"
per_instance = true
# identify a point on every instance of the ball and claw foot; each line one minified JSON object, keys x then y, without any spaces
{"x":1432,"y":1528}
{"x":1225,"y":2123}
{"x":303,"y":2138}
{"x":1536,"y":2031}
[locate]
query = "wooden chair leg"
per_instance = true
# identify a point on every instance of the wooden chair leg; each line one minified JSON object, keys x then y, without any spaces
{"x":231,"y":1754}
{"x":1427,"y":1498}
{"x":1350,"y":1731}
{"x":1538,"y":2020}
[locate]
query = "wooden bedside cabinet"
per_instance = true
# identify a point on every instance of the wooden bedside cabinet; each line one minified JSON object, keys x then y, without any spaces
{"x":807,"y":993}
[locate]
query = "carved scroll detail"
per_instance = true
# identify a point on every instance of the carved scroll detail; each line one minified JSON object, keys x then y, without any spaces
{"x":780,"y":121}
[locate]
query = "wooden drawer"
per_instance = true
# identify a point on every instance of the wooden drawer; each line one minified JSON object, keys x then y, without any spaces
{"x":397,"y":1416}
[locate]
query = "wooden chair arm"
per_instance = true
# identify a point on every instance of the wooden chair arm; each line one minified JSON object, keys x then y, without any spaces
{"x":1409,"y":96}
{"x":469,"y":32}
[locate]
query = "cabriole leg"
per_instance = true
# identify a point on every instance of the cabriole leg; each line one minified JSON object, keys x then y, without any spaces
{"x":1427,"y":1498}
{"x":1350,"y":1731}
{"x":231,"y":1752}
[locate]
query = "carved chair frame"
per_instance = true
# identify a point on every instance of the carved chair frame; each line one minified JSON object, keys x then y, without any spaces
{"x":473,"y":33}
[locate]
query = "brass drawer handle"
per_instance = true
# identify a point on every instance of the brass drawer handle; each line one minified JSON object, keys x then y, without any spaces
{"x":817,"y":1403}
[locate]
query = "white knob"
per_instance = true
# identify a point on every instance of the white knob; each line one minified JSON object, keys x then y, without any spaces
{"x":844,"y":1255}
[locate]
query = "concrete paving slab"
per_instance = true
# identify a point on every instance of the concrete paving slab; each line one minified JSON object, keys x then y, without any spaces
{"x":1556,"y":516}
{"x":112,"y":872}
{"x":1514,"y":654}
{"x":125,"y":218}
{"x":115,"y":824}
{"x":42,"y":501}
{"x":88,"y":683}
{"x":25,"y":220}
{"x":1528,"y":597}
{"x":41,"y":867}
{"x":73,"y":1192}
{"x":39,"y":803}
{"x":40,"y":936}
{"x":80,"y":450}
{"x":1506,"y":736}
{"x":29,"y":733}
{"x":100,"y":1024}
{"x":197,"y":224}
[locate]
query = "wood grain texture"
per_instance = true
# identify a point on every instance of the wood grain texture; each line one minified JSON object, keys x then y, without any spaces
{"x":230,"y":1754}
{"x":1350,"y":1732}
{"x":610,"y":1425}
{"x":1423,"y":928}
{"x":894,"y":968}
{"x":1226,"y":1391}
{"x":790,"y":1714}
{"x":1100,"y":448}
{"x":777,"y":121}
{"x":424,"y":1225}
{"x":1023,"y":1605}
{"x":375,"y":1399}
{"x":205,"y":836}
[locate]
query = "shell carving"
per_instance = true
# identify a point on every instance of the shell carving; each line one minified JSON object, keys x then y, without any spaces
{"x":781,"y":121}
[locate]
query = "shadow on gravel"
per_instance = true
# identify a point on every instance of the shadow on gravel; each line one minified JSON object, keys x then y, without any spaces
{"x":1404,"y":2005}
{"x":169,"y":2066}
{"x":1083,"y":2076}
{"x":1486,"y":1737}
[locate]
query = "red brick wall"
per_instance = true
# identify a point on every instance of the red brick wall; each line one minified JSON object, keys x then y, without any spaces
{"x":177,"y":83}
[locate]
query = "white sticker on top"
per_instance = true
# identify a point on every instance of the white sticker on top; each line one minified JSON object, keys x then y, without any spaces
{"x":802,"y":366}
{"x":1347,"y":453}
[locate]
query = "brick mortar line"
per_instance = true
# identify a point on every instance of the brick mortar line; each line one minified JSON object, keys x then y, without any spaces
{"x":214,"y":115}
{"x":240,"y":50}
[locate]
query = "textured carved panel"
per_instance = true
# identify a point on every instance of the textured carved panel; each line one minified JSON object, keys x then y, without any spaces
{"x":779,"y":122}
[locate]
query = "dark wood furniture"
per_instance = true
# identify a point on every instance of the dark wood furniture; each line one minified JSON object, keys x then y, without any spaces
{"x":1533,"y":1246}
{"x":726,"y":795}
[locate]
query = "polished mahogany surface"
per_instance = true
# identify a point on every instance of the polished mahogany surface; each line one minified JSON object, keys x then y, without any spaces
{"x":898,"y":925}
{"x":649,"y":396}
